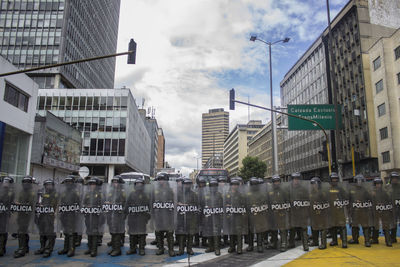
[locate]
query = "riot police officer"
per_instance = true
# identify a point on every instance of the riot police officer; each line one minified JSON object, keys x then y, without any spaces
{"x":138,"y":211}
{"x":78,"y":235}
{"x":46,"y":208}
{"x":339,"y":204}
{"x":201,"y":183}
{"x":114,"y":207}
{"x":395,"y":185}
{"x":222,"y":185}
{"x":7,"y":195}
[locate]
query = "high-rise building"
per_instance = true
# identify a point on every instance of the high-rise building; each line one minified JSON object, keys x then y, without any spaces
{"x":152,"y":128}
{"x":161,"y":149}
{"x":37,"y":33}
{"x":357,"y":26}
{"x":384,"y":58}
{"x":214,"y":130}
{"x":235,"y":145}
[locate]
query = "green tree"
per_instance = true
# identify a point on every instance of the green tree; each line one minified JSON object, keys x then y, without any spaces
{"x":252,"y":167}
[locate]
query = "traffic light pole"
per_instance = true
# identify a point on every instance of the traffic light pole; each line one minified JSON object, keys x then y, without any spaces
{"x":232,"y":95}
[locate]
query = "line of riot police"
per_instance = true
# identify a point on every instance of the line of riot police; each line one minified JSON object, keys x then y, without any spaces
{"x":216,"y":211}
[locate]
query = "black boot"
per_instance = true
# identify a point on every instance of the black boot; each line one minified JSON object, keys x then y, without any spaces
{"x":393,"y":234}
{"x":334,"y":242}
{"x":122,"y":240}
{"x":196,"y":240}
{"x":239,"y":248}
{"x":133,"y":240}
{"x":142,"y":244}
{"x":3,"y":243}
{"x":367,"y":236}
{"x":65,"y":249}
{"x":250,"y":240}
{"x":216,"y":240}
{"x":292,"y":235}
{"x":375,"y":236}
{"x":51,"y":240}
{"x":304,"y":239}
{"x":42,"y":239}
{"x":232,"y":244}
{"x":260,"y":248}
{"x":116,"y":245}
{"x":388,"y":239}
{"x":274,"y":240}
{"x":343,"y":235}
{"x":355,"y":233}
{"x":181,"y":244}
{"x":77,"y":240}
{"x":93,"y":247}
{"x":226,"y":240}
{"x":323,"y":239}
{"x":99,"y":240}
{"x":71,"y":246}
{"x":89,"y":244}
{"x":160,"y":243}
{"x":170,"y":241}
{"x":284,"y":237}
{"x":22,"y":246}
{"x":315,"y":239}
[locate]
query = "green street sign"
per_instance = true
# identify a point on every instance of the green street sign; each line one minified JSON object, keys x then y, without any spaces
{"x":323,"y":114}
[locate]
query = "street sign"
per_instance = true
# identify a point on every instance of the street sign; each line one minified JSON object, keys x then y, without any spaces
{"x":83,"y":172}
{"x":323,"y":114}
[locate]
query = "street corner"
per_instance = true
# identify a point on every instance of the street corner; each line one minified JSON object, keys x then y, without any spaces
{"x":354,"y":255}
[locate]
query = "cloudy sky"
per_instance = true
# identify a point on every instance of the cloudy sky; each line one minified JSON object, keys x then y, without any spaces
{"x":191,"y":52}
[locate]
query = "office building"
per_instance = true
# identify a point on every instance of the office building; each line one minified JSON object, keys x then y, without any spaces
{"x":152,"y":129}
{"x":235,"y":145}
{"x":38,"y":33}
{"x":214,"y":130}
{"x":161,"y":149}
{"x":18,"y":94}
{"x":115,"y":139}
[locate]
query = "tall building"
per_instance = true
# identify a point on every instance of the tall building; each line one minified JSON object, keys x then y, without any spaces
{"x":115,"y":138}
{"x":161,"y":149}
{"x":37,"y":33}
{"x":357,"y":26}
{"x":152,"y":128}
{"x":214,"y":130}
{"x":17,"y":116}
{"x":384,"y":58}
{"x":235,"y":145}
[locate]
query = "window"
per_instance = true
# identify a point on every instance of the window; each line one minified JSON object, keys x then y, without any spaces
{"x":397,"y":53}
{"x":385,"y":157}
{"x":15,"y":97}
{"x":398,"y":78}
{"x":121,"y":147}
{"x":377,"y":63}
{"x":107,"y":147}
{"x":379,"y":86}
{"x":383,"y":133}
{"x":381,"y":110}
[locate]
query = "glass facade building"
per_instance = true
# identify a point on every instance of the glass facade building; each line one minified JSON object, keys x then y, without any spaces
{"x":36,"y":33}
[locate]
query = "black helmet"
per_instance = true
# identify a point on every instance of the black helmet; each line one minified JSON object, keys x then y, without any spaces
{"x":201,"y":180}
{"x":213,"y":182}
{"x":68,"y":179}
{"x":7,"y":179}
{"x":378,"y":180}
{"x":260,"y":180}
{"x":117,"y":179}
{"x":315,"y":180}
{"x":27,"y":180}
{"x":99,"y":181}
{"x":275,"y":178}
{"x":222,"y":179}
{"x":296,"y":175}
{"x":48,"y":182}
{"x":139,"y":181}
{"x":187,"y":181}
{"x":254,"y":181}
{"x":235,"y":182}
{"x":93,"y":181}
{"x":163,"y":176}
{"x":394,"y":175}
{"x":179,"y":179}
{"x":334,"y":175}
{"x":79,"y":180}
{"x":359,"y":178}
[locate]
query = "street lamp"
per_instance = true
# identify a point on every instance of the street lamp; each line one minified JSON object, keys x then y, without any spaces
{"x":254,"y":38}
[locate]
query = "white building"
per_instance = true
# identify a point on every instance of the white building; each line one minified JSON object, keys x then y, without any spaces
{"x":18,"y":95}
{"x":115,"y":139}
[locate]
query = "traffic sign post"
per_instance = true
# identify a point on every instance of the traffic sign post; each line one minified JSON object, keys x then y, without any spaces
{"x":323,"y":114}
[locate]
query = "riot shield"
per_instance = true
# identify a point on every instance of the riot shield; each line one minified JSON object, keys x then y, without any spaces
{"x":361,"y":208}
{"x":383,"y":207}
{"x":23,"y":208}
{"x":257,"y":208}
{"x":163,"y":205}
{"x":114,"y":207}
{"x":300,"y":203}
{"x":212,"y":209}
{"x":46,"y":209}
{"x":279,"y":200}
{"x":70,"y":219}
{"x":92,"y":209}
{"x":7,"y":194}
{"x":339,"y":203}
{"x":187,"y":211}
{"x":138,"y":209}
{"x":319,"y":206}
{"x":235,"y":221}
{"x":395,"y":186}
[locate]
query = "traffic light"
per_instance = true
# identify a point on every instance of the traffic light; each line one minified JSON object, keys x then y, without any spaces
{"x":132,"y":56}
{"x":324,"y":151}
{"x":232,"y":99}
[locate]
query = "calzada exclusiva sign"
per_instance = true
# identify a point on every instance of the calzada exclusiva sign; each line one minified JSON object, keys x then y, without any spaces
{"x":323,"y":114}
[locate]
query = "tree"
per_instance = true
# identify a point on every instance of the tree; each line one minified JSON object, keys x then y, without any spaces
{"x":252,"y":167}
